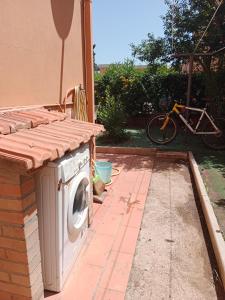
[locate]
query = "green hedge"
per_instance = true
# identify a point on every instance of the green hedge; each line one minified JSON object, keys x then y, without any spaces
{"x":133,"y":88}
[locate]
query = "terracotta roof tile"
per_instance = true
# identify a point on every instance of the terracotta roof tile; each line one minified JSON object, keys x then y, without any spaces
{"x":24,"y":123}
{"x":32,"y":137}
{"x":4,"y":128}
{"x":13,"y":124}
{"x":35,"y":121}
{"x":22,"y":162}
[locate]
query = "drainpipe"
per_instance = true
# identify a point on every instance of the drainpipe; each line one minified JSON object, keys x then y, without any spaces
{"x":88,"y":58}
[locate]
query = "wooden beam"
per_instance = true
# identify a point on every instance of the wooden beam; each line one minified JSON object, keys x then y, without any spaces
{"x":190,"y":71}
{"x":214,"y":229}
{"x":177,"y":55}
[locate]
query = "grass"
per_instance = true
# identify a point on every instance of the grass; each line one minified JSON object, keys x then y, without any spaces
{"x":206,"y":157}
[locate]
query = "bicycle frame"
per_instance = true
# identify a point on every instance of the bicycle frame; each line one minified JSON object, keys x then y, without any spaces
{"x":193,"y":130}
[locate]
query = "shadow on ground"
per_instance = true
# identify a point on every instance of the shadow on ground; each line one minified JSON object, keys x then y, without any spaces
{"x":211,"y":163}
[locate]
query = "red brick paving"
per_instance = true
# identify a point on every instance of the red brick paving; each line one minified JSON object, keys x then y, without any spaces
{"x":103,"y":267}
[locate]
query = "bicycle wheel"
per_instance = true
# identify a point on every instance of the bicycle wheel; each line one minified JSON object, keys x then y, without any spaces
{"x":214,"y":141}
{"x":158,"y":136}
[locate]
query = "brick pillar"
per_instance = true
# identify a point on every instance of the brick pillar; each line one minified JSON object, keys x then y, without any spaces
{"x":20,"y":260}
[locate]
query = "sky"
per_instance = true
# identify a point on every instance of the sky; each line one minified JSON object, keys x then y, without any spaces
{"x":118,"y":23}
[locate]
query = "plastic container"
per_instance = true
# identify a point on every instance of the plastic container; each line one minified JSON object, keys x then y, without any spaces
{"x":104,"y":170}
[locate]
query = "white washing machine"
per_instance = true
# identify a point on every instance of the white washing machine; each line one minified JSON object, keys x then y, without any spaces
{"x":63,"y":196}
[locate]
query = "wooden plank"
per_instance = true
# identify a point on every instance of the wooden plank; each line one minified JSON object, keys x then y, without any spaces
{"x":211,"y":220}
{"x":172,"y":155}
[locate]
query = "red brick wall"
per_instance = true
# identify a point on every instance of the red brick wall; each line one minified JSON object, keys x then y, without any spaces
{"x":20,"y":261}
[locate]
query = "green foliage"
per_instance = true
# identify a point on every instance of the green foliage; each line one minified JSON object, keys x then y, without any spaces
{"x":184,"y":24}
{"x":96,"y":68}
{"x":112,"y":115}
{"x":133,"y":88}
{"x":123,"y":82}
{"x":98,"y":76}
{"x":150,"y":50}
{"x":163,"y":70}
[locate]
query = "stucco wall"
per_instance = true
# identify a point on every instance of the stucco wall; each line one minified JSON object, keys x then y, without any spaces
{"x":41,"y":53}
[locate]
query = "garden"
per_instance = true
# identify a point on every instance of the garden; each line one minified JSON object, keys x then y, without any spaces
{"x":127,"y":97}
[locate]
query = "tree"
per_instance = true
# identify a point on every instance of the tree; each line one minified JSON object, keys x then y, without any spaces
{"x":187,"y":20}
{"x":184,"y":23}
{"x":96,"y":68}
{"x":151,"y":50}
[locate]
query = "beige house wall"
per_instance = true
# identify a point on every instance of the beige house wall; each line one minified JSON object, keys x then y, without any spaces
{"x":41,"y":50}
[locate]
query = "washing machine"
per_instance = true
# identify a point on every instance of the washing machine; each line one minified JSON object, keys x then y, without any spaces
{"x":63,"y":197}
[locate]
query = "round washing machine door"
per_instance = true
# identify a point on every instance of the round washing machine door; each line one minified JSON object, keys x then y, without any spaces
{"x":78,"y":205}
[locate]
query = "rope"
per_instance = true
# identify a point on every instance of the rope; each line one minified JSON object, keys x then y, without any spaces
{"x":210,"y":22}
{"x":219,"y":50}
{"x":173,"y":14}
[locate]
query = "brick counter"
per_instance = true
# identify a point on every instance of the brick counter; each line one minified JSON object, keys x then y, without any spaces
{"x":20,"y":260}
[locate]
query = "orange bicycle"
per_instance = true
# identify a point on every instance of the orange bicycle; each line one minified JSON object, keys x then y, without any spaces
{"x":162,"y":128}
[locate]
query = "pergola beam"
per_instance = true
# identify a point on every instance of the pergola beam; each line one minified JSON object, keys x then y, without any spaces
{"x":177,"y":55}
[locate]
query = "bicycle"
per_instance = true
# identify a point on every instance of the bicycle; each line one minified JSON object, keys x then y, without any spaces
{"x":162,"y":128}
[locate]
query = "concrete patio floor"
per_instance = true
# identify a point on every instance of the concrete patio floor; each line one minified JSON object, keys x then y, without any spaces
{"x":172,"y":259}
{"x":172,"y":263}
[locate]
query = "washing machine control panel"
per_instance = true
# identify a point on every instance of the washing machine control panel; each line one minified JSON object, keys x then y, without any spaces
{"x":75,"y":162}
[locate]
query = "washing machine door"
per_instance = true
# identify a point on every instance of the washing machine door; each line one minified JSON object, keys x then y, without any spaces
{"x":78,"y":205}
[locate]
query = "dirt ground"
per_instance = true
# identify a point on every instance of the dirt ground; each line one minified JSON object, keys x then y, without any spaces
{"x":172,"y":260}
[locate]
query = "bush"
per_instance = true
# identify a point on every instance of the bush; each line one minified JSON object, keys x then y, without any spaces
{"x":134,"y":88}
{"x":112,"y":115}
{"x":123,"y":82}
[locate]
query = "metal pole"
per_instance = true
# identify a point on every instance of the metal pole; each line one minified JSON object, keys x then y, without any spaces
{"x":190,"y":79}
{"x":190,"y":71}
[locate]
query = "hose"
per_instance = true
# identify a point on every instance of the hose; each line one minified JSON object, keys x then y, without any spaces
{"x":79,"y":103}
{"x":113,"y":174}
